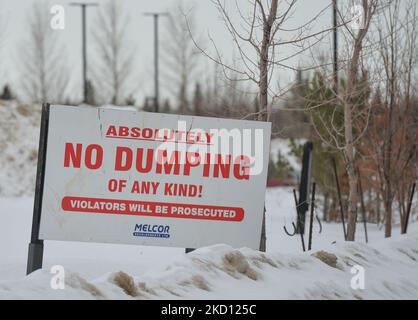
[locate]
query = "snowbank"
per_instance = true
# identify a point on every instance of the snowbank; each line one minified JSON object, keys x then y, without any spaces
{"x":19,"y":138}
{"x":105,"y":271}
{"x":221,"y":272}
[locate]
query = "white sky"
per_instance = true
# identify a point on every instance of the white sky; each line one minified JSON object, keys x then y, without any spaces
{"x":14,"y":12}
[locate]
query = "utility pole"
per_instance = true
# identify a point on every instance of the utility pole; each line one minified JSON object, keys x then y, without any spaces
{"x":83,"y":7}
{"x":335,"y":44}
{"x":156,"y":15}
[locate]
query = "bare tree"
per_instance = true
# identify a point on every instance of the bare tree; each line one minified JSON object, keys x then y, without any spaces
{"x":350,"y":108}
{"x":391,"y":138}
{"x":42,"y":59}
{"x":336,"y":113}
{"x":180,"y":54}
{"x":113,"y":69}
{"x":259,"y":37}
{"x":388,"y":50}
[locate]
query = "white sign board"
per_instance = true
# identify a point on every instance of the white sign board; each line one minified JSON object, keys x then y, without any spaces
{"x":121,"y":176}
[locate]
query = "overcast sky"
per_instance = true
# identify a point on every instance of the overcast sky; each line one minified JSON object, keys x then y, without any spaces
{"x":15,"y":12}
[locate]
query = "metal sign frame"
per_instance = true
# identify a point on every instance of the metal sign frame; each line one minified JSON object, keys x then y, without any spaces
{"x":36,"y":245}
{"x":304,"y":186}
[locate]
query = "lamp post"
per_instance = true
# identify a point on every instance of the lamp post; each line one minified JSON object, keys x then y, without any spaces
{"x":335,"y":43}
{"x":156,"y":15}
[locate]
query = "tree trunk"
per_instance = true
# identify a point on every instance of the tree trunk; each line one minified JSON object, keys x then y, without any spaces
{"x":263,"y":88}
{"x":388,"y":212}
{"x":352,"y":200}
{"x":349,"y":151}
{"x":326,"y":207}
{"x":388,"y":168}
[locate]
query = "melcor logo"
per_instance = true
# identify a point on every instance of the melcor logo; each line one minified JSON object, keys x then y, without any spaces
{"x":152,"y":230}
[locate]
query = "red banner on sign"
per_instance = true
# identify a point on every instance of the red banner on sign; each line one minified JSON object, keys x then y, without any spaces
{"x":155,"y":209}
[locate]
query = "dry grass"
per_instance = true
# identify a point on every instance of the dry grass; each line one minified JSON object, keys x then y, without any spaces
{"x":126,"y":282}
{"x":327,"y":258}
{"x":235,"y":262}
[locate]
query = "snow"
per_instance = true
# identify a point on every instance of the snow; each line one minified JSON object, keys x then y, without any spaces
{"x":105,"y":271}
{"x":92,"y":271}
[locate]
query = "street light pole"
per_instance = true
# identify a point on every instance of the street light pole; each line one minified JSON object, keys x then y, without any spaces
{"x":156,"y":15}
{"x":83,"y":7}
{"x":335,"y":44}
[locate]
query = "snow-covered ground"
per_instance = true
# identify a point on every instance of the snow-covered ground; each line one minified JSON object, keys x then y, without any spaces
{"x":218,"y":272}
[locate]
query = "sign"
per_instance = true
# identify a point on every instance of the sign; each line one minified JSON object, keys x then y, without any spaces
{"x":121,"y":176}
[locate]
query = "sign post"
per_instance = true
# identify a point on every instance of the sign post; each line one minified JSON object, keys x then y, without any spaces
{"x":36,"y":245}
{"x":305,"y":179}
